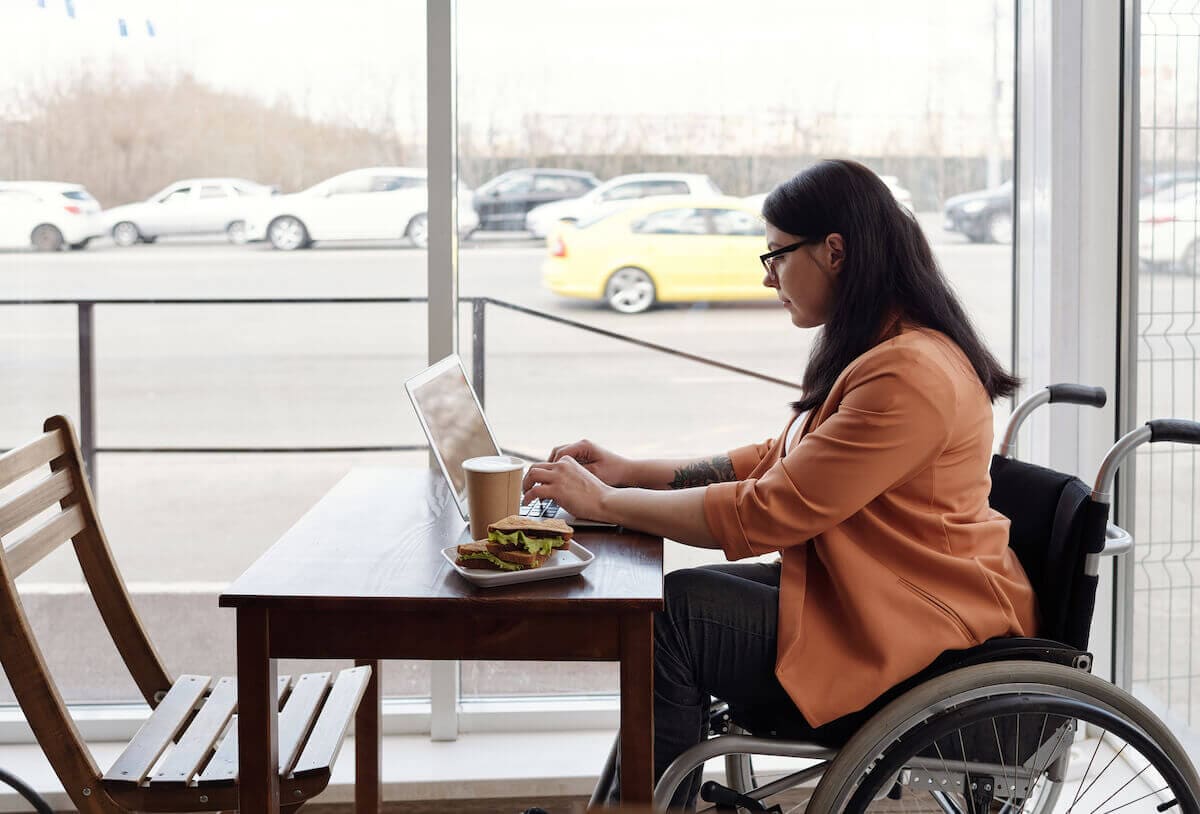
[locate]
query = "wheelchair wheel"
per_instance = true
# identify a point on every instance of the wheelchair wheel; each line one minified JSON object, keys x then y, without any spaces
{"x":739,"y":769}
{"x":1011,"y":737}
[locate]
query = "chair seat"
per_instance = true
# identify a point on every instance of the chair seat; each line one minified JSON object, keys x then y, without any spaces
{"x":184,"y":757}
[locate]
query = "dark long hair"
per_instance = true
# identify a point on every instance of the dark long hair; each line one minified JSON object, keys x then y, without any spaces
{"x":888,"y":269}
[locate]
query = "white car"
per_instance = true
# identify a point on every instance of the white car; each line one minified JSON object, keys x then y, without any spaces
{"x":615,"y":193}
{"x":46,"y":215}
{"x":1168,"y":237}
{"x":196,"y":206}
{"x":902,"y":195}
{"x":376,"y":203}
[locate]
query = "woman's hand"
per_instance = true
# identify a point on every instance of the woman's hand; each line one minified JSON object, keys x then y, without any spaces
{"x":609,"y":467}
{"x":570,"y":484}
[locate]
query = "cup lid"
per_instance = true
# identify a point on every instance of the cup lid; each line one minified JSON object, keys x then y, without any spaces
{"x":493,"y":463}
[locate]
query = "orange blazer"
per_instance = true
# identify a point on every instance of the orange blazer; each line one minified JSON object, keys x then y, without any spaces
{"x":890,"y":552}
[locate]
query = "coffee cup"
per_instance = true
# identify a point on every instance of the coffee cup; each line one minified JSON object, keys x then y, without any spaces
{"x":493,"y":490}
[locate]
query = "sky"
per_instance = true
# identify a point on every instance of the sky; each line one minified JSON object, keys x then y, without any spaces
{"x":885,"y":66}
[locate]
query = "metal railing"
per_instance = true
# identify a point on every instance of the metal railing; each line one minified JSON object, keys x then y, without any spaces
{"x":87,"y":362}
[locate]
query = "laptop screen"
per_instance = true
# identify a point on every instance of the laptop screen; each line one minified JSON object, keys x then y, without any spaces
{"x":452,"y":419}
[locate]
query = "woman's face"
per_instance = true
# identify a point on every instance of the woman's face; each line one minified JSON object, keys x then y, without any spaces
{"x":804,"y":277}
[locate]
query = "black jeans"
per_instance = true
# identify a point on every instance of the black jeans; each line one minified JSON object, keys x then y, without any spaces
{"x":716,"y":637}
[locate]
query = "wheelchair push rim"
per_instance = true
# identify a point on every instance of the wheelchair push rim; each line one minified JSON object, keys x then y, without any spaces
{"x":880,"y":758}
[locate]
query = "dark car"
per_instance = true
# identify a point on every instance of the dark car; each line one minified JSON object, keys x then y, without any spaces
{"x":984,"y":216}
{"x":503,"y":202}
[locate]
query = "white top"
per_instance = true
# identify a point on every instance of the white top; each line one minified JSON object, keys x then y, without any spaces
{"x":794,"y":432}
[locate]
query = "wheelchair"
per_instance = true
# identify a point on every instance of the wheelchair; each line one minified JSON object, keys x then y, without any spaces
{"x":1012,"y":725}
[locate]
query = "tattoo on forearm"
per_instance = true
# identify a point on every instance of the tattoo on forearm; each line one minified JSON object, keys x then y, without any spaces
{"x":702,"y":473}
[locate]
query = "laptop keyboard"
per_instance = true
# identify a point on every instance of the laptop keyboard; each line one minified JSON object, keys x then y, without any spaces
{"x":540,"y":508}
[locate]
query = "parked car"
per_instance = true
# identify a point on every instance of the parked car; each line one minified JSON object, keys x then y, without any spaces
{"x":1156,"y":182}
{"x":669,"y":249}
{"x":983,"y":216}
{"x":195,"y":206}
{"x":902,"y":195}
{"x":503,"y":202}
{"x":47,"y":215}
{"x":1169,"y":228}
{"x":615,"y":193}
{"x":375,"y":203}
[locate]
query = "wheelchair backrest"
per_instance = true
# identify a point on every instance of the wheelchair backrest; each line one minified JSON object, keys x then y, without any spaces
{"x":1055,"y":525}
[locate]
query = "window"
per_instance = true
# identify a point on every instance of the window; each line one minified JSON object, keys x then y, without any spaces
{"x":356,"y":184}
{"x":625,"y":192}
{"x":665,"y":188}
{"x":391,"y":183}
{"x":1167,"y":321}
{"x":678,"y":116}
{"x":736,"y":222}
{"x":293,"y":376}
{"x":213,"y":192}
{"x":673,"y":222}
{"x":515,"y":185}
{"x":288,"y":107}
{"x":561,"y":185}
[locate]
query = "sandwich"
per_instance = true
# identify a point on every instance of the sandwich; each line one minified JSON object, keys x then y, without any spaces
{"x":516,"y":543}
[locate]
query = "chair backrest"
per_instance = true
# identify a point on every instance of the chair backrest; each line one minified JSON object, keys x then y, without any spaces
{"x":61,"y":508}
{"x":1055,"y":525}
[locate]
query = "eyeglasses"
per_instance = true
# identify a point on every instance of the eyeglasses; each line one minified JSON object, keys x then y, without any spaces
{"x":769,"y":259}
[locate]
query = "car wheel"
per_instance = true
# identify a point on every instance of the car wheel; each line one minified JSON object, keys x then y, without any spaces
{"x":418,"y":231}
{"x":81,"y":244}
{"x":125,"y":234}
{"x":629,"y":290}
{"x":46,"y":238}
{"x":236,"y":232}
{"x":1000,"y":227}
{"x":287,"y":234}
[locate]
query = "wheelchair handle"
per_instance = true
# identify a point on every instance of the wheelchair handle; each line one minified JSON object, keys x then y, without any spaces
{"x":1174,"y":429}
{"x":1178,"y":430}
{"x":1062,"y":393}
{"x":1077,"y":394}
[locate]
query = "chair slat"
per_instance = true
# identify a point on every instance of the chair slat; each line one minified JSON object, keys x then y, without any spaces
{"x":39,"y":452}
{"x":27,"y":505}
{"x":29,"y":550}
{"x":223,"y":768}
{"x":297,"y":717}
{"x":330,"y":730}
{"x":160,"y":729}
{"x":198,"y":740}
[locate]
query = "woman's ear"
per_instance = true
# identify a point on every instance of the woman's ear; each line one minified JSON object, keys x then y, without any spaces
{"x":836,"y":247}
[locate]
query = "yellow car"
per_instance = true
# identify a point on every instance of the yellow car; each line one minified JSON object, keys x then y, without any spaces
{"x":665,"y":249}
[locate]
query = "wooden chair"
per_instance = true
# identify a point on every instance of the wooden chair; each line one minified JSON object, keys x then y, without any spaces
{"x":184,"y":758}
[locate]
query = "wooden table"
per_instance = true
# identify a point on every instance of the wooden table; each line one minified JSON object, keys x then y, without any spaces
{"x":361,"y":576}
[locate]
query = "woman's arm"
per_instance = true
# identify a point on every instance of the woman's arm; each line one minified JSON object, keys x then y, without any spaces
{"x":663,"y":473}
{"x":678,"y":514}
{"x":681,"y":473}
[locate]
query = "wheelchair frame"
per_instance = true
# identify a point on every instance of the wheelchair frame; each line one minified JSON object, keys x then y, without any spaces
{"x":737,"y":748}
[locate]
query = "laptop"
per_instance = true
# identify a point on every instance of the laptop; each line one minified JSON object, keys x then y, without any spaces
{"x":453,"y":420}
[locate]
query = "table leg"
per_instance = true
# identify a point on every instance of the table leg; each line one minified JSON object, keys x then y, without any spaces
{"x":367,"y":762}
{"x":637,"y":708}
{"x":258,"y":715}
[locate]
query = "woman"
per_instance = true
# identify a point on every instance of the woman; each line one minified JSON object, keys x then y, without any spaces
{"x":875,"y":495}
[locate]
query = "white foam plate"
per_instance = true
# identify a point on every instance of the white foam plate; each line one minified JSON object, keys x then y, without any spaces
{"x":564,"y":562}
